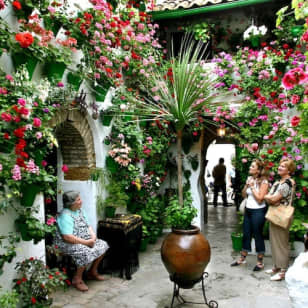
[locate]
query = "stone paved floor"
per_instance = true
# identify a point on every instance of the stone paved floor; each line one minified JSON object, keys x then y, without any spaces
{"x":151,"y":288}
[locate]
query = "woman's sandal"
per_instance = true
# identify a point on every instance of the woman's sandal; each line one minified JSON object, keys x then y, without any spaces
{"x":272,"y":271}
{"x":259,"y":267}
{"x":278,"y":277}
{"x":80,"y":286}
{"x":241,"y":261}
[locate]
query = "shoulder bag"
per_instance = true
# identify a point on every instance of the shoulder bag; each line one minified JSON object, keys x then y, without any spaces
{"x":281,"y":215}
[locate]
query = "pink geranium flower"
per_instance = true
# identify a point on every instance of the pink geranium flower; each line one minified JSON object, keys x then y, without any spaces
{"x":37,"y":122}
{"x":294,"y":77}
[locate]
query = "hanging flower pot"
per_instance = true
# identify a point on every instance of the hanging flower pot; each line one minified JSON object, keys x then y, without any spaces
{"x":187,"y":142}
{"x":110,"y":211}
{"x":111,"y":165}
{"x":106,"y":118}
{"x":54,"y":71}
{"x":51,"y":24}
{"x":100,"y":93}
{"x":194,"y":164}
{"x":20,"y":59}
{"x":29,"y":192}
{"x":22,"y":227}
{"x":74,"y":80}
{"x":297,"y":30}
{"x":255,"y":41}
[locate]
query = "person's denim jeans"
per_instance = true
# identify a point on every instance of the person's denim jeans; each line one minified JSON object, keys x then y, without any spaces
{"x":254,"y":220}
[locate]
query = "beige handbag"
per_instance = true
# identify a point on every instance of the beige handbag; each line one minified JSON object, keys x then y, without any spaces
{"x":281,"y":215}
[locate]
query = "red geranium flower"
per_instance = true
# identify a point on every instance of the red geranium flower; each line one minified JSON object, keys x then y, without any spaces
{"x":295,"y":121}
{"x":33,"y":300}
{"x":270,"y":151}
{"x":16,"y":5}
{"x":25,"y":39}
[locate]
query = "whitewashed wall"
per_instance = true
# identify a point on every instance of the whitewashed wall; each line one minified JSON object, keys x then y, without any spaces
{"x":87,"y":189}
{"x":25,"y":249}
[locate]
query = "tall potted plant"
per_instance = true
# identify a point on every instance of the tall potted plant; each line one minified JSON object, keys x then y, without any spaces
{"x":180,"y":99}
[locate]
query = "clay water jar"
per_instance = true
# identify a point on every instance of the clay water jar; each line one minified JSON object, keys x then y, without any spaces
{"x":185,"y":254}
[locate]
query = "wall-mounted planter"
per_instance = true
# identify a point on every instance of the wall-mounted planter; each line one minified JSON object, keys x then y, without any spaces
{"x":22,"y":228}
{"x":255,"y":41}
{"x":51,"y":24}
{"x":74,"y":80}
{"x":297,"y":30}
{"x":111,"y":165}
{"x":20,"y":59}
{"x":100,"y":94}
{"x":29,"y":191}
{"x":54,"y":71}
{"x":106,"y":119}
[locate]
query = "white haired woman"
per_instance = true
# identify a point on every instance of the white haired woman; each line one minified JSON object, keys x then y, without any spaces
{"x":75,"y":237}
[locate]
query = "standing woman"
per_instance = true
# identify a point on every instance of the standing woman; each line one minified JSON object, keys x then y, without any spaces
{"x":281,"y":193}
{"x":254,"y":218}
{"x":75,"y":237}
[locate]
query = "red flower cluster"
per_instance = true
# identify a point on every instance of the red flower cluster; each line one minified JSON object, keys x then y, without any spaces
{"x":295,"y":121}
{"x":25,"y":39}
{"x":16,"y":5}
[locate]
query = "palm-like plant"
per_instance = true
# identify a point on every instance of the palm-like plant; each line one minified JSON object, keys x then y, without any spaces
{"x":181,"y":96}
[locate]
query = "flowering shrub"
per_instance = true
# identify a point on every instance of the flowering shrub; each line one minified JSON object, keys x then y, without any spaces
{"x":115,"y":44}
{"x":35,"y":41}
{"x":23,"y":135}
{"x":36,"y":282}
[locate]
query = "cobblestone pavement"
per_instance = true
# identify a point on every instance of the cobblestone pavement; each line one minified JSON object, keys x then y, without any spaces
{"x":150,"y":286}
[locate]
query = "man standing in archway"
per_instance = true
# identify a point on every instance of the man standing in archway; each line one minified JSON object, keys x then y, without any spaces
{"x":219,"y":175}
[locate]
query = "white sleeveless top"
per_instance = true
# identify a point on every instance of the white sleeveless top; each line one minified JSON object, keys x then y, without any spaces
{"x":251,"y":201}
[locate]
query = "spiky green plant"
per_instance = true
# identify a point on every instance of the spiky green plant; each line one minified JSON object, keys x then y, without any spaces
{"x":180,"y":96}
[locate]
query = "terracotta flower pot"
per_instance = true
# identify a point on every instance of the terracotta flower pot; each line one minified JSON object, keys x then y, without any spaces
{"x":185,"y":254}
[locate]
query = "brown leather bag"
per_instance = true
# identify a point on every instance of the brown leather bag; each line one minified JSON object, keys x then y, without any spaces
{"x":281,"y":215}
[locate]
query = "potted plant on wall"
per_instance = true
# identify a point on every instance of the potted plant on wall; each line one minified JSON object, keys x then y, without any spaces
{"x":180,"y":99}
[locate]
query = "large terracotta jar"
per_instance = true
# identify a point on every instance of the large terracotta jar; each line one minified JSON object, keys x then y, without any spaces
{"x":185,"y":254}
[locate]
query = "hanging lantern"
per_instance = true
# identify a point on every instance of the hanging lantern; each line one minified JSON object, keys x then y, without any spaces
{"x":221,"y":131}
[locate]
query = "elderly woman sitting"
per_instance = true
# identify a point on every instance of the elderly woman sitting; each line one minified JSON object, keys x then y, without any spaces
{"x":75,"y":237}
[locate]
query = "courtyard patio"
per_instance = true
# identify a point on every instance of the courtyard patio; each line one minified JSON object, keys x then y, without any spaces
{"x":150,"y":286}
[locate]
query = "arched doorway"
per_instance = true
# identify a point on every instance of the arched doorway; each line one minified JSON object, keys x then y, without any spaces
{"x":208,"y":136}
{"x":75,"y":150}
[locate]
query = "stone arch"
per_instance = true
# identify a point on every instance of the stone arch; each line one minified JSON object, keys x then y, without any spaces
{"x":76,"y":143}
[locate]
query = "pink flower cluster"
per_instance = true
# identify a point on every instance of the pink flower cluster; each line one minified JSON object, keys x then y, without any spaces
{"x":16,"y":173}
{"x":32,"y":167}
{"x":120,"y":154}
{"x":293,"y":77}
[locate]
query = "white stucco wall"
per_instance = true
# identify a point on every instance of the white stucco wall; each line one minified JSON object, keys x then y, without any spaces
{"x":24,"y":249}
